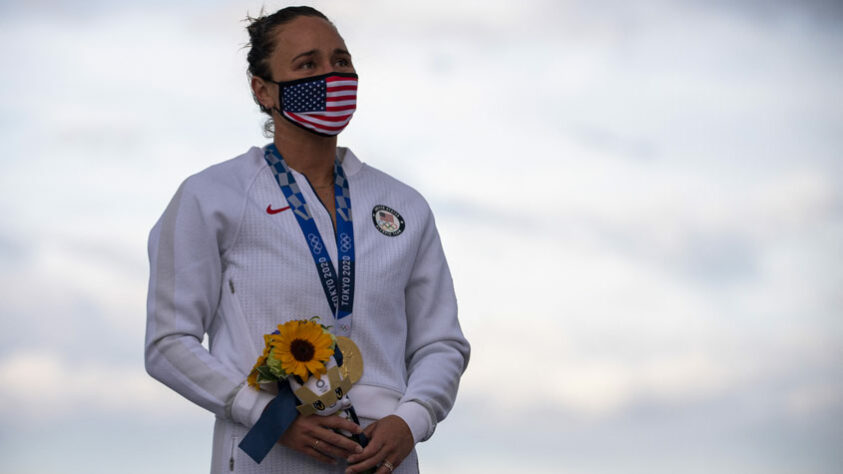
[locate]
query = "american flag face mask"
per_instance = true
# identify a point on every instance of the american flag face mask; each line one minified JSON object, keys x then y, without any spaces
{"x":320,"y":104}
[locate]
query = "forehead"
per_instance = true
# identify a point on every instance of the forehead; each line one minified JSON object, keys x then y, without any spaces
{"x":306,"y":33}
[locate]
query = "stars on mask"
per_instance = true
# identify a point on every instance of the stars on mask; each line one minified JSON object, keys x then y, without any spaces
{"x":305,"y":97}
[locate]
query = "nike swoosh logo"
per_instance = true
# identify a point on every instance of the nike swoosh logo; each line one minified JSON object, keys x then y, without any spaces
{"x":270,"y":210}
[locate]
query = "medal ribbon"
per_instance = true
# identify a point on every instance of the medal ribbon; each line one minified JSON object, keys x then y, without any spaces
{"x":339,"y":289}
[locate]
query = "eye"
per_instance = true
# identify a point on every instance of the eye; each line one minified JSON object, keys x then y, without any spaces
{"x":307,"y":65}
{"x":319,"y":405}
{"x":338,"y":391}
{"x":343,"y":62}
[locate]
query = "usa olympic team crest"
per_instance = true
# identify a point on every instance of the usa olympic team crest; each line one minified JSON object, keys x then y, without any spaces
{"x":387,"y":220}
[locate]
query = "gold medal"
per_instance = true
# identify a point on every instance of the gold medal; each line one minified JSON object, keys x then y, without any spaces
{"x":352,"y":361}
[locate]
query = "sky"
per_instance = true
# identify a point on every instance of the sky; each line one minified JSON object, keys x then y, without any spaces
{"x":641,"y":204}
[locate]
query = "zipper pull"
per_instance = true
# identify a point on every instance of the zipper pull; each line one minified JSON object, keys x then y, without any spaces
{"x":233,"y":438}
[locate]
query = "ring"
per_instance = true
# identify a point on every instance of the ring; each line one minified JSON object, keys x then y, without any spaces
{"x":388,"y":465}
{"x":315,"y":444}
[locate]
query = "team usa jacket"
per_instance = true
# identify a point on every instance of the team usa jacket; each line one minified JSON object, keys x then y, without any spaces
{"x":227,"y":260}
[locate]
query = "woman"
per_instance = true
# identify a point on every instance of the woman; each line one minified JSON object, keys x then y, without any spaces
{"x":234,"y":255}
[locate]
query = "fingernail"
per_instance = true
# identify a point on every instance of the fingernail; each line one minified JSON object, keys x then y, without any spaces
{"x":349,"y":471}
{"x":358,"y":449}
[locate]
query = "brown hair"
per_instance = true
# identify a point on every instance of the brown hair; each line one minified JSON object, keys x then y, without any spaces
{"x":262,"y":43}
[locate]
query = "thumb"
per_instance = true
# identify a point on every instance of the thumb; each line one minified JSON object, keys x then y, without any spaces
{"x":370,"y":429}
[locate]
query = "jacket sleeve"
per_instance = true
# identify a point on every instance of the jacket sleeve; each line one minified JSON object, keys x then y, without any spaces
{"x":437,"y":353}
{"x":184,"y":291}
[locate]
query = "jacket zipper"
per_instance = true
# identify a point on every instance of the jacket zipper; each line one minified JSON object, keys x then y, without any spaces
{"x":323,"y":205}
{"x":231,"y":459}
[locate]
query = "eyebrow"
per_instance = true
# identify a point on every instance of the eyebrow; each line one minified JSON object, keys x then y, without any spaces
{"x":306,"y":53}
{"x":315,"y":51}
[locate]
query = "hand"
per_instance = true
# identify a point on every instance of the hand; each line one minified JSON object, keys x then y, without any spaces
{"x":390,"y":439}
{"x":314,"y":435}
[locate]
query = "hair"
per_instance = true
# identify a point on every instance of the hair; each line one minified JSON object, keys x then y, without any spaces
{"x":262,"y":32}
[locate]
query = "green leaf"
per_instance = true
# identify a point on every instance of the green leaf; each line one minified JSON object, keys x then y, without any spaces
{"x":265,"y":374}
{"x":275,"y":368}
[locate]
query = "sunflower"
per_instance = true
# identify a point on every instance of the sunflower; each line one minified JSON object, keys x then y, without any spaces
{"x":303,"y":347}
{"x":254,"y":376}
{"x":252,"y":379}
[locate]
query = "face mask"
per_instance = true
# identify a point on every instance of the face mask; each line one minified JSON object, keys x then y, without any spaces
{"x":320,"y":104}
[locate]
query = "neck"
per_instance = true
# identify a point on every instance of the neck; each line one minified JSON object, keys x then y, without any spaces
{"x":309,"y":154}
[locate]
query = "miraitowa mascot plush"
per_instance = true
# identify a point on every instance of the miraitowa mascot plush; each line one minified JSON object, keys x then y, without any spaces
{"x":328,"y":394}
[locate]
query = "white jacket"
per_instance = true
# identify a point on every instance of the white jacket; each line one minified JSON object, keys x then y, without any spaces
{"x":222,"y":265}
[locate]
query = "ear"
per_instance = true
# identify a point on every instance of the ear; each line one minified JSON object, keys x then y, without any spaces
{"x":265,"y":92}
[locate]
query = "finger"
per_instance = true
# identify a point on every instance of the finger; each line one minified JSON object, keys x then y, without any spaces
{"x":347,"y":446}
{"x":317,"y":454}
{"x":369,"y":430}
{"x":376,"y":443}
{"x":322,"y":428}
{"x":339,"y":423}
{"x":332,"y":446}
{"x":370,"y":457}
{"x":306,"y":436}
{"x":374,"y":462}
{"x":320,"y":457}
{"x":328,"y":449}
{"x":386,"y":467}
{"x":371,"y":449}
{"x":363,"y":465}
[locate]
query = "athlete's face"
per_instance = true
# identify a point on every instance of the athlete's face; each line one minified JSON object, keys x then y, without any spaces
{"x":307,"y":46}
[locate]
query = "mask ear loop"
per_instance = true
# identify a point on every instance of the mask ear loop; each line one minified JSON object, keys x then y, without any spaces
{"x":280,"y":107}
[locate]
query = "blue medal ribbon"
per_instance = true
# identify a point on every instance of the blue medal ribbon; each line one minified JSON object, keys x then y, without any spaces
{"x":339,"y":291}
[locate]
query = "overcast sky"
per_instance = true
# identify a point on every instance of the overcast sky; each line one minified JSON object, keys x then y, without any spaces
{"x":640,"y":202}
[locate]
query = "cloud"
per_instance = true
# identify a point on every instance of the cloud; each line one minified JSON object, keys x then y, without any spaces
{"x":640,"y":205}
{"x":45,"y":387}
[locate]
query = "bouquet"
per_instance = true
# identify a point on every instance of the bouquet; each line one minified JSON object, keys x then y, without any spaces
{"x":320,"y":369}
{"x":299,"y":347}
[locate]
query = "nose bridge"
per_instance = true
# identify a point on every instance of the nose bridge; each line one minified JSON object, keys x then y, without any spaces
{"x":325,"y":65}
